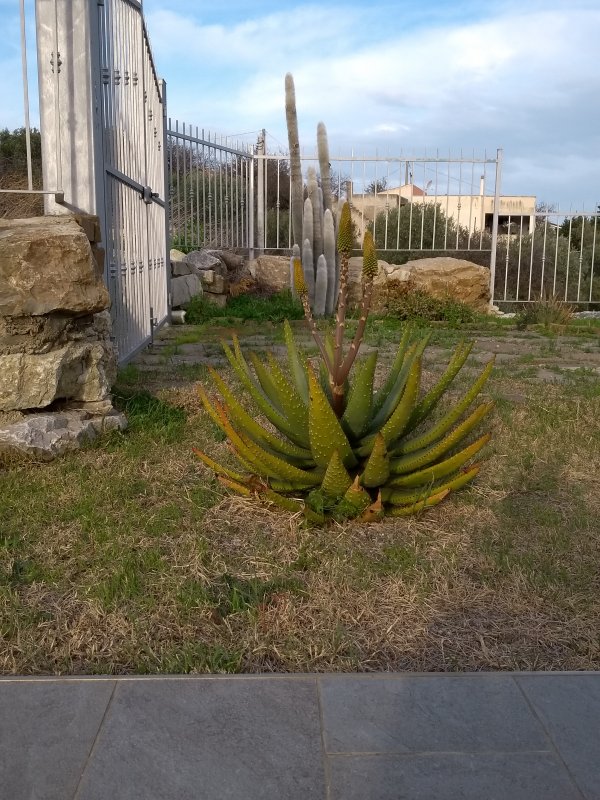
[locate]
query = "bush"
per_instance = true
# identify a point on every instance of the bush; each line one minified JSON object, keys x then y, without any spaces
{"x":406,"y":302}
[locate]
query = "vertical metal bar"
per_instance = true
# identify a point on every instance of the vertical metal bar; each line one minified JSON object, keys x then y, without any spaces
{"x":277,"y":204}
{"x":532,"y":235}
{"x":507,"y":262}
{"x":447,"y":202}
{"x":519,"y":256}
{"x":203,"y":190}
{"x":568,"y":257}
{"x":57,"y":122}
{"x":26,"y":97}
{"x":250,"y":206}
{"x":495,"y":225}
{"x":544,"y":255}
{"x":580,"y":257}
{"x":555,"y":260}
{"x":423,"y":204}
{"x":435,"y":200}
{"x":459,"y":204}
{"x":471,"y":195}
{"x":593,"y":258}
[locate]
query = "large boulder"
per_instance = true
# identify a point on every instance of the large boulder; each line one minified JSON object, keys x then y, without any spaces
{"x":271,"y":272}
{"x":200,"y":260}
{"x":80,"y":371}
{"x":32,"y":334}
{"x":232,"y":261}
{"x":450,"y":278}
{"x":46,"y":266}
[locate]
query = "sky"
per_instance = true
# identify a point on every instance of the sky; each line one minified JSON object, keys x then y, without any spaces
{"x":391,"y":76}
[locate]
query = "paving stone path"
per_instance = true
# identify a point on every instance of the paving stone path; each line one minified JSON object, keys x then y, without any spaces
{"x":484,"y":736}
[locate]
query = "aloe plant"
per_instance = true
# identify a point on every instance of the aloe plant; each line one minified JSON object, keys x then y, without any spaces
{"x":343,"y":449}
{"x":334,"y":446}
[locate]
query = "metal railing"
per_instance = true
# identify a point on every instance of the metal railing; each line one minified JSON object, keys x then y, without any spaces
{"x":210,"y":183}
{"x":56,"y":189}
{"x":559,"y":256}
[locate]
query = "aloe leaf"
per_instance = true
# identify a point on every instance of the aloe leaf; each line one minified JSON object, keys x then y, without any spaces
{"x":443,"y":468}
{"x":358,"y":409}
{"x":325,"y":432}
{"x":377,"y":468}
{"x":296,"y":362}
{"x":446,"y":422}
{"x":457,"y":481}
{"x":421,"y":458}
{"x":261,"y":436}
{"x":382,"y":393}
{"x":407,"y":511}
{"x":336,"y":479}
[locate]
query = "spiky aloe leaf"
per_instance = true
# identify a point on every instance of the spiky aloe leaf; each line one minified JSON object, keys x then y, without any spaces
{"x":398,"y":497}
{"x":336,"y":479}
{"x":358,"y":409}
{"x":325,"y":432}
{"x":414,"y":352}
{"x":355,"y":500}
{"x":421,"y":458}
{"x":446,"y":422}
{"x":407,"y":511}
{"x":394,"y":427}
{"x":377,"y":468}
{"x":443,"y":468}
{"x":239,"y":355}
{"x":219,"y":469}
{"x":374,"y":512}
{"x":297,"y":366}
{"x":266,"y":381}
{"x":248,"y":424}
{"x":294,"y":408}
{"x":392,"y":377}
{"x":240,"y":488}
{"x":433,"y":396}
{"x":274,"y":416}
{"x":288,"y":503}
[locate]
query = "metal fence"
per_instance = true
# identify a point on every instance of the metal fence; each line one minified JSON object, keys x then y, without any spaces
{"x":103,"y":123}
{"x":133,"y":105}
{"x":558,"y":256}
{"x":211,"y":185}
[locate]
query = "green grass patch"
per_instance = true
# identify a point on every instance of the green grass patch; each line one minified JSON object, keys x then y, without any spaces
{"x":275,"y":308}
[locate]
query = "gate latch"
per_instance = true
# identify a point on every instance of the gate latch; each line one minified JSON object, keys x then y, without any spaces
{"x":148,"y":195}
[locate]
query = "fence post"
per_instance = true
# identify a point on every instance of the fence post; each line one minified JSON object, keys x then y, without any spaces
{"x":499,"y":154}
{"x":167,"y":192}
{"x":70,"y":105}
{"x":260,"y":192}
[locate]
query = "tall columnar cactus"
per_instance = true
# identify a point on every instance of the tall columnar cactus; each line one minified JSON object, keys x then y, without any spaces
{"x":313,"y":223}
{"x":342,"y":449}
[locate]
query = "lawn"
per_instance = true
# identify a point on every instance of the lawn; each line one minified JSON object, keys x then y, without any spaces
{"x":129,"y":557}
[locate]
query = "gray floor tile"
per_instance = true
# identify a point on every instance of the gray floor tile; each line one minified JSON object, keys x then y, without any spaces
{"x":527,"y":776}
{"x":569,"y":707}
{"x":427,"y":714}
{"x":47,"y":730}
{"x":212,"y":739}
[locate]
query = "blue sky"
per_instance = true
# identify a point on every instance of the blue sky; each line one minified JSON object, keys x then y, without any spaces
{"x":388,"y":75}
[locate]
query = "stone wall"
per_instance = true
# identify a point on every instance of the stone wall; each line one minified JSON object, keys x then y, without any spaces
{"x":56,"y":350}
{"x":203,"y":272}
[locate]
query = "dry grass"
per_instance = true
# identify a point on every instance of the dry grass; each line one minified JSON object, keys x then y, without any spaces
{"x":128,"y":557}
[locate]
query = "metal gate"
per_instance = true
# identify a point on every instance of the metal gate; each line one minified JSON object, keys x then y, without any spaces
{"x":133,"y":121}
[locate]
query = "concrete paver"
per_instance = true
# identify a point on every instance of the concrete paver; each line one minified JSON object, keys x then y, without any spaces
{"x":312,"y":737}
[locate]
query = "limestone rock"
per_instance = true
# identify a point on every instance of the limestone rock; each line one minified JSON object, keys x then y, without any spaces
{"x":452,"y":278}
{"x":176,"y":256}
{"x":46,"y":266}
{"x":45,"y":436}
{"x":32,"y":334}
{"x":355,"y":265}
{"x":232,"y":261}
{"x":271,"y":272}
{"x":183,"y":288}
{"x":80,"y":371}
{"x":179,"y":268}
{"x":217,"y":284}
{"x":203,"y":259}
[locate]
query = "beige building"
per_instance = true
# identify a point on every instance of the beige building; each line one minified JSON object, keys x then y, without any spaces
{"x":516,"y":213}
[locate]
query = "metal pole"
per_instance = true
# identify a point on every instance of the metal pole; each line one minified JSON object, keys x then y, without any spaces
{"x":499,"y":154}
{"x":26,"y":97}
{"x":250,"y":204}
{"x":260,"y":194}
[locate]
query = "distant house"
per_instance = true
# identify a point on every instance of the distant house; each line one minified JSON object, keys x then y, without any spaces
{"x":516,"y":214}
